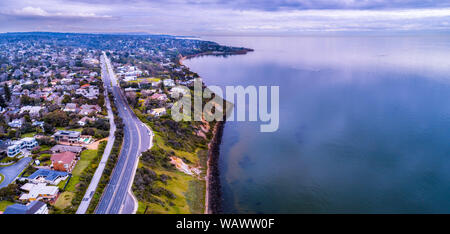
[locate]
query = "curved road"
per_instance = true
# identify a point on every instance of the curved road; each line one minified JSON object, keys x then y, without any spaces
{"x":10,"y":173}
{"x":117,"y":197}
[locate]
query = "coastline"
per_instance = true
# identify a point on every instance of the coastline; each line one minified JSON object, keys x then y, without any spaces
{"x":242,"y":51}
{"x":213,"y":193}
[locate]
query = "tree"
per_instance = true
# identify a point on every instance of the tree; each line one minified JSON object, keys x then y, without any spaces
{"x":48,"y":128}
{"x":57,"y":118}
{"x":7,"y":93}
{"x":2,"y":102}
{"x":66,"y":99}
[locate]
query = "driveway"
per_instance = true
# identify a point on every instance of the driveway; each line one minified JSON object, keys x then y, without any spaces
{"x":11,"y":172}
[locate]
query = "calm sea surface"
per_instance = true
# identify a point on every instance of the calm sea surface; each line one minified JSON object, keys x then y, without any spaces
{"x":364,"y":125}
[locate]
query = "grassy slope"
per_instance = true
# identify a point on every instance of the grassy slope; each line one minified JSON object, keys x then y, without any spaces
{"x":4,"y":204}
{"x":85,"y":159}
{"x":65,"y":198}
{"x":189,"y":191}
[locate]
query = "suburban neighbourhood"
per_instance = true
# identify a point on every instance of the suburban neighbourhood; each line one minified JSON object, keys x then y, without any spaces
{"x":55,"y":125}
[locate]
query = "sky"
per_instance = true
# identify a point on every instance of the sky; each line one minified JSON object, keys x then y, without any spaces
{"x":225,"y":17}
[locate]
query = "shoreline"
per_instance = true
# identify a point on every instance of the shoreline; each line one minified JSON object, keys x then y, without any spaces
{"x":243,"y":51}
{"x":213,"y":193}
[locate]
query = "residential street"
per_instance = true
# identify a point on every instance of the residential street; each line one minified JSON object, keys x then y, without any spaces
{"x":11,"y":172}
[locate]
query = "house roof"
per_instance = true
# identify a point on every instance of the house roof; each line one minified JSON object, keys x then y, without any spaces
{"x":64,"y":157}
{"x":36,"y":190}
{"x":63,"y":148}
{"x":159,"y":110}
{"x":16,"y":209}
{"x":49,"y":175}
{"x":31,"y":208}
{"x":67,"y":133}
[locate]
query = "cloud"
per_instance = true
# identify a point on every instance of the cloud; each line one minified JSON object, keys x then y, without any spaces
{"x":200,"y":17}
{"x":33,"y":11}
{"x":30,"y":12}
{"x":282,"y":5}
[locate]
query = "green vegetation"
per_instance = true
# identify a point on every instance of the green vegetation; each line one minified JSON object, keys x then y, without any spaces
{"x":161,"y":188}
{"x":81,"y":177}
{"x":64,"y":200}
{"x":28,"y":171}
{"x":9,"y":160}
{"x":4,"y":204}
{"x":2,"y":177}
{"x":158,"y":185}
{"x":30,"y":134}
{"x":9,"y":193}
{"x":70,"y":129}
{"x":112,"y":160}
{"x":86,"y":158}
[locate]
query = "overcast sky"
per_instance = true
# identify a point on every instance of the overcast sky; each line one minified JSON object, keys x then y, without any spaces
{"x":225,"y":17}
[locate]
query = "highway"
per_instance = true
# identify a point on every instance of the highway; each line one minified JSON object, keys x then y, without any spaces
{"x":84,"y":205}
{"x":117,"y":197}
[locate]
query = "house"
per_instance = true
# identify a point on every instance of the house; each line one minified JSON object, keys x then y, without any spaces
{"x":28,"y":143}
{"x":63,"y":148}
{"x":158,"y":112}
{"x":32,"y":110}
{"x":178,"y":90}
{"x":47,"y":176}
{"x":88,"y":109}
{"x":129,"y":78}
{"x":158,"y":96}
{"x":64,"y":161}
{"x":67,"y":136}
{"x":34,"y":207}
{"x":16,"y":123}
{"x":156,"y":83}
{"x":168,"y":83}
{"x":38,"y":191}
{"x":130,"y":89}
{"x":71,"y":107}
{"x":38,"y":123}
{"x":85,"y":120}
{"x":88,"y":91}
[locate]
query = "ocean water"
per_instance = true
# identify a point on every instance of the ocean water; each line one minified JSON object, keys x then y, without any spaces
{"x":364,"y":125}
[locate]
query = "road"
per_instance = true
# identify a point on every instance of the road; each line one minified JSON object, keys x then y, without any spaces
{"x":117,"y":197}
{"x":84,"y":205}
{"x":11,"y":172}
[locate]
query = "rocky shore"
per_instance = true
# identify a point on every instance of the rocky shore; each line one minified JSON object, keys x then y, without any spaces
{"x":213,"y":189}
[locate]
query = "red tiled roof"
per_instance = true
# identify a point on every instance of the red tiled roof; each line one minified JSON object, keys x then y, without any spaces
{"x":64,"y":157}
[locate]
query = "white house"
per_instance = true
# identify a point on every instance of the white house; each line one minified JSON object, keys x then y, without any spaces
{"x":32,"y":110}
{"x":83,"y":121}
{"x":179,"y":89}
{"x":169,"y":83}
{"x":16,"y":123}
{"x":129,"y":78}
{"x":71,"y":107}
{"x":88,"y":91}
{"x":38,"y":191}
{"x":16,"y":147}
